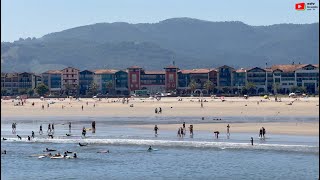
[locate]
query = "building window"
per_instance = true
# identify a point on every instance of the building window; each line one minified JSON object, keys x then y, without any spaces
{"x":72,"y":70}
{"x":72,"y":75}
{"x":134,"y":78}
{"x":171,"y":78}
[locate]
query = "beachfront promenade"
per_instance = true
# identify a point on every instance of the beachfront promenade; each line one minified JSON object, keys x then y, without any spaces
{"x":239,"y":108}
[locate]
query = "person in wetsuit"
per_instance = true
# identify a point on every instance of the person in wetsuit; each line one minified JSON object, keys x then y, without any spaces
{"x":84,"y":131}
{"x":156,"y":130}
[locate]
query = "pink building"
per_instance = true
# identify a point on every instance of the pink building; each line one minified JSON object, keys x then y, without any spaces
{"x":171,"y":78}
{"x":134,"y":78}
{"x":70,"y":80}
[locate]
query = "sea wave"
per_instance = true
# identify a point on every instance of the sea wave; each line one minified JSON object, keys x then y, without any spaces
{"x":178,"y":144}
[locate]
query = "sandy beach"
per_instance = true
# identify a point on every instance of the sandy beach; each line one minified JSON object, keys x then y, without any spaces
{"x":188,"y":107}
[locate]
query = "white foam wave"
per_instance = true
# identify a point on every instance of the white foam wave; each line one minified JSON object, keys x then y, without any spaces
{"x":172,"y":143}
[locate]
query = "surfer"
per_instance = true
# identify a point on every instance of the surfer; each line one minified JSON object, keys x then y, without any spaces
{"x":19,"y":137}
{"x":251,"y":141}
{"x":65,"y":154}
{"x":69,"y":152}
{"x":50,"y":135}
{"x":52,"y":126}
{"x":150,"y":148}
{"x":48,"y":150}
{"x":68,"y":134}
{"x":156,"y":130}
{"x":263,"y":132}
{"x":4,"y":139}
{"x":74,"y":155}
{"x":32,"y":134}
{"x":28,"y":138}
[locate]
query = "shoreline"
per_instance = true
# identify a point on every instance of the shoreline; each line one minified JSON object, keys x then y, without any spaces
{"x":283,"y":128}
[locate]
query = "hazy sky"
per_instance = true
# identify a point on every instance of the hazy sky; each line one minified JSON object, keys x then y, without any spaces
{"x":35,"y":18}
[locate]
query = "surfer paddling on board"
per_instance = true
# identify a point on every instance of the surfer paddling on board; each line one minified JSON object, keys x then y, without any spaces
{"x":150,"y":148}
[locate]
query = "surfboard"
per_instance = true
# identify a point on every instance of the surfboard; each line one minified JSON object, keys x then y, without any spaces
{"x":34,"y":155}
{"x":69,"y":157}
{"x":41,"y":157}
{"x":56,"y":157}
{"x":88,"y":129}
{"x":152,"y":150}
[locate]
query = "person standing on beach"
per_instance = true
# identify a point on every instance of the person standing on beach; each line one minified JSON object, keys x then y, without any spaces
{"x":156,"y":111}
{"x":93,"y":126}
{"x":32,"y":134}
{"x":260,"y":133}
{"x":179,"y":132}
{"x":42,"y":107}
{"x":69,"y":127}
{"x":40,"y":130}
{"x":184,"y":128}
{"x":191,"y":130}
{"x":156,"y":130}
{"x":160,"y":110}
{"x":84,"y":131}
{"x":13,"y":131}
{"x":263,"y":132}
{"x":251,"y":141}
{"x":52,"y":127}
{"x":228,"y":130}
{"x":49,"y":128}
{"x":82,"y":107}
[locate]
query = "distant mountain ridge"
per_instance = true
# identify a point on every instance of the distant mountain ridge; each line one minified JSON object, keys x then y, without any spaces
{"x":192,"y":43}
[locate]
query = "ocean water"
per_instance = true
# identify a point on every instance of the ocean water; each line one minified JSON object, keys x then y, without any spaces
{"x":198,"y":157}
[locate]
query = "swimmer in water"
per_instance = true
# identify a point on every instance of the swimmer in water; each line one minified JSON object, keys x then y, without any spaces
{"x":150,"y":148}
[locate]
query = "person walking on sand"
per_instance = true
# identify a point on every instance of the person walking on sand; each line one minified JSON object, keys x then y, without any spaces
{"x":160,"y":110}
{"x":82,"y":107}
{"x":156,"y":130}
{"x":156,"y":111}
{"x":42,"y":107}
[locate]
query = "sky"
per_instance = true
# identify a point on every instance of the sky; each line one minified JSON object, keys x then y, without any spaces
{"x":35,"y":18}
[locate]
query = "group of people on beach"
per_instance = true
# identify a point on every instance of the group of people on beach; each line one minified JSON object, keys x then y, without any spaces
{"x":158,"y":111}
{"x":262,"y":132}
